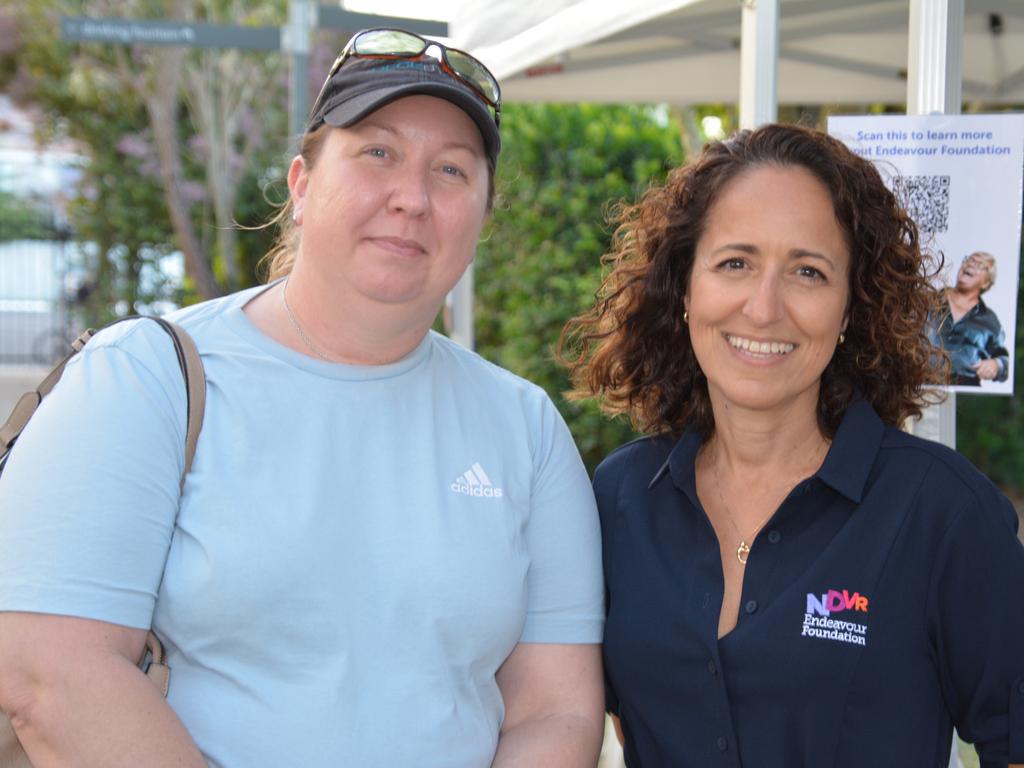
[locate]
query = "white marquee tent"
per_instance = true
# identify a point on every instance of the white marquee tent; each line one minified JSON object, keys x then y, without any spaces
{"x":687,"y":51}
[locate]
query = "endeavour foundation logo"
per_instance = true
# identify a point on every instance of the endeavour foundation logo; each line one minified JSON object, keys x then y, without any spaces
{"x":819,"y":619}
{"x":475,"y":482}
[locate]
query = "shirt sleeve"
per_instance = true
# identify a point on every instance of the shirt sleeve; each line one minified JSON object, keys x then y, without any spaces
{"x":995,"y":350}
{"x":90,"y":492}
{"x":976,"y":620}
{"x":564,"y":583}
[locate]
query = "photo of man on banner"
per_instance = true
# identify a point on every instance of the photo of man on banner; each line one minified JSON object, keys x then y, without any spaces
{"x":968,"y":329}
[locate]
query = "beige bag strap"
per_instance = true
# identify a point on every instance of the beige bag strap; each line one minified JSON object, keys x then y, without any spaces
{"x":191,"y":370}
{"x":195,"y":387}
{"x":158,"y":672}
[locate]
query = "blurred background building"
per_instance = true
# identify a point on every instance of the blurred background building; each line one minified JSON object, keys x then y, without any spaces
{"x":34,"y":251}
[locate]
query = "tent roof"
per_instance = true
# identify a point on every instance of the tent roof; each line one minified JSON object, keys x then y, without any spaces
{"x":687,"y":51}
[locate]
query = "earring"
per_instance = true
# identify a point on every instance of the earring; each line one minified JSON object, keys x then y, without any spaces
{"x":842,"y":337}
{"x":686,"y":316}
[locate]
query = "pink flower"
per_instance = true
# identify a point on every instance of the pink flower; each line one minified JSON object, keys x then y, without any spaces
{"x":133,"y":145}
{"x":192,"y":191}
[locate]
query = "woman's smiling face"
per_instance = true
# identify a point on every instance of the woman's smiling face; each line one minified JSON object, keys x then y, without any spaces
{"x":769,"y":290}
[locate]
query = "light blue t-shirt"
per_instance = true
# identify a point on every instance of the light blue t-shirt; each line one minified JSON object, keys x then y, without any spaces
{"x":356,"y":552}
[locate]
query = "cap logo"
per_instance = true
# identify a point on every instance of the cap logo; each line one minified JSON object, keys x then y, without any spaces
{"x":399,"y":64}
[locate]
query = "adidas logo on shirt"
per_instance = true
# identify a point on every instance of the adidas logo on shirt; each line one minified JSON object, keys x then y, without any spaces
{"x":475,"y":482}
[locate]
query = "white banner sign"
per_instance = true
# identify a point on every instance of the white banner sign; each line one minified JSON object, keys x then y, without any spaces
{"x":960,"y":177}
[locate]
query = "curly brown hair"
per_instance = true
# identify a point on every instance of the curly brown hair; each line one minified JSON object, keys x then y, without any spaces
{"x":632,"y":351}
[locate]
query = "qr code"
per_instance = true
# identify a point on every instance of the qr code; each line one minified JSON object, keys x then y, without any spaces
{"x":926,"y":200}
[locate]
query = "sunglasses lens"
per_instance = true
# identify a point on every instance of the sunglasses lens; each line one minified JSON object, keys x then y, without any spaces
{"x":383,"y":42}
{"x":473,"y":71}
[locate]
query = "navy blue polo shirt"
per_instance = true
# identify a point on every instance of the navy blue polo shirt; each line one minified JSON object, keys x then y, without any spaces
{"x":883,"y":603}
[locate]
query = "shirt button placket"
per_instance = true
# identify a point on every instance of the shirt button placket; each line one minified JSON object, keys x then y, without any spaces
{"x":718,"y":684}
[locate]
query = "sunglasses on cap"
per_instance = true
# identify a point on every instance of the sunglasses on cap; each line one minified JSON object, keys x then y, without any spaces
{"x":399,"y":44}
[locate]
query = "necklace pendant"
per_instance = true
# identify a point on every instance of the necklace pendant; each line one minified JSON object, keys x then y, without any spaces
{"x":741,"y":552}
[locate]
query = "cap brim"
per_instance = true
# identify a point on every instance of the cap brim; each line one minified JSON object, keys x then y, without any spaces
{"x":354,"y":109}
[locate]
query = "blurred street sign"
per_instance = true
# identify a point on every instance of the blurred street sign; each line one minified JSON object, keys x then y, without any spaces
{"x":150,"y":32}
{"x":130,"y":32}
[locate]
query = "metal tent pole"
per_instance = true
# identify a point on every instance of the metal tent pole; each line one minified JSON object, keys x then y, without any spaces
{"x":759,"y":63}
{"x":933,"y":87}
{"x":461,"y":306}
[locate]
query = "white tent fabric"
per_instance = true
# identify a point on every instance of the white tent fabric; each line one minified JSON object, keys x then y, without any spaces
{"x":687,"y":51}
{"x":510,"y":35}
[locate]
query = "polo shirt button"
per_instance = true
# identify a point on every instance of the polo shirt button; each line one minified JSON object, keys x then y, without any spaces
{"x":751,"y":606}
{"x":711,"y":667}
{"x":774,"y":537}
{"x":723,"y":744}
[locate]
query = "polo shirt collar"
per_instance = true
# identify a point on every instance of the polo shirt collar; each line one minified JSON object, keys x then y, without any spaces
{"x":853,"y":452}
{"x":845,"y":469}
{"x":680,"y":465}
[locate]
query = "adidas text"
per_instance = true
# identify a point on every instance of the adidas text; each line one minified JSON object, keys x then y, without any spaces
{"x":476,"y":490}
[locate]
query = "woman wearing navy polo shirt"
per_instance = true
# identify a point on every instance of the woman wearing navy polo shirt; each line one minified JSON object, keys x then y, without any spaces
{"x":791,"y":580}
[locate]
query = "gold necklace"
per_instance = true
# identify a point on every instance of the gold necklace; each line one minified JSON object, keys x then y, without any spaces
{"x":298,"y":327}
{"x":743,"y":550}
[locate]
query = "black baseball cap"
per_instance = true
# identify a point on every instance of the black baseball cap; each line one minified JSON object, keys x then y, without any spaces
{"x":362,"y":86}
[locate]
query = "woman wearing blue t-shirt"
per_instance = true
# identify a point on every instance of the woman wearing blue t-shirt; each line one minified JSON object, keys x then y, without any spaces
{"x":791,"y":580}
{"x":386,"y":552}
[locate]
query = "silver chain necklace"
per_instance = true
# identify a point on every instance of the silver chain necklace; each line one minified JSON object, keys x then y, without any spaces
{"x":298,"y":327}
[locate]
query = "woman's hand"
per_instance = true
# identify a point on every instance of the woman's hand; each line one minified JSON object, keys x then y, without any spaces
{"x":554,"y":706}
{"x":75,"y":695}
